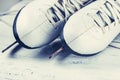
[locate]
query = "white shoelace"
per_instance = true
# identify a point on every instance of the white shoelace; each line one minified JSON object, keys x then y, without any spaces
{"x":107,"y":14}
{"x":64,"y":8}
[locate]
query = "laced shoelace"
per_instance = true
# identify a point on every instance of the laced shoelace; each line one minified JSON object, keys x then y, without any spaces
{"x":64,"y":8}
{"x":108,"y":14}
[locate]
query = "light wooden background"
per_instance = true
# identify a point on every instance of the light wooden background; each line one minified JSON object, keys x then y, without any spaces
{"x":22,"y":64}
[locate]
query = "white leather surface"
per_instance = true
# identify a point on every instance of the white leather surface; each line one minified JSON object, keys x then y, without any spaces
{"x":19,"y":63}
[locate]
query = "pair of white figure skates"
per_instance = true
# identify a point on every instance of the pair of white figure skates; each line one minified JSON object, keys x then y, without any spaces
{"x":86,"y":26}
